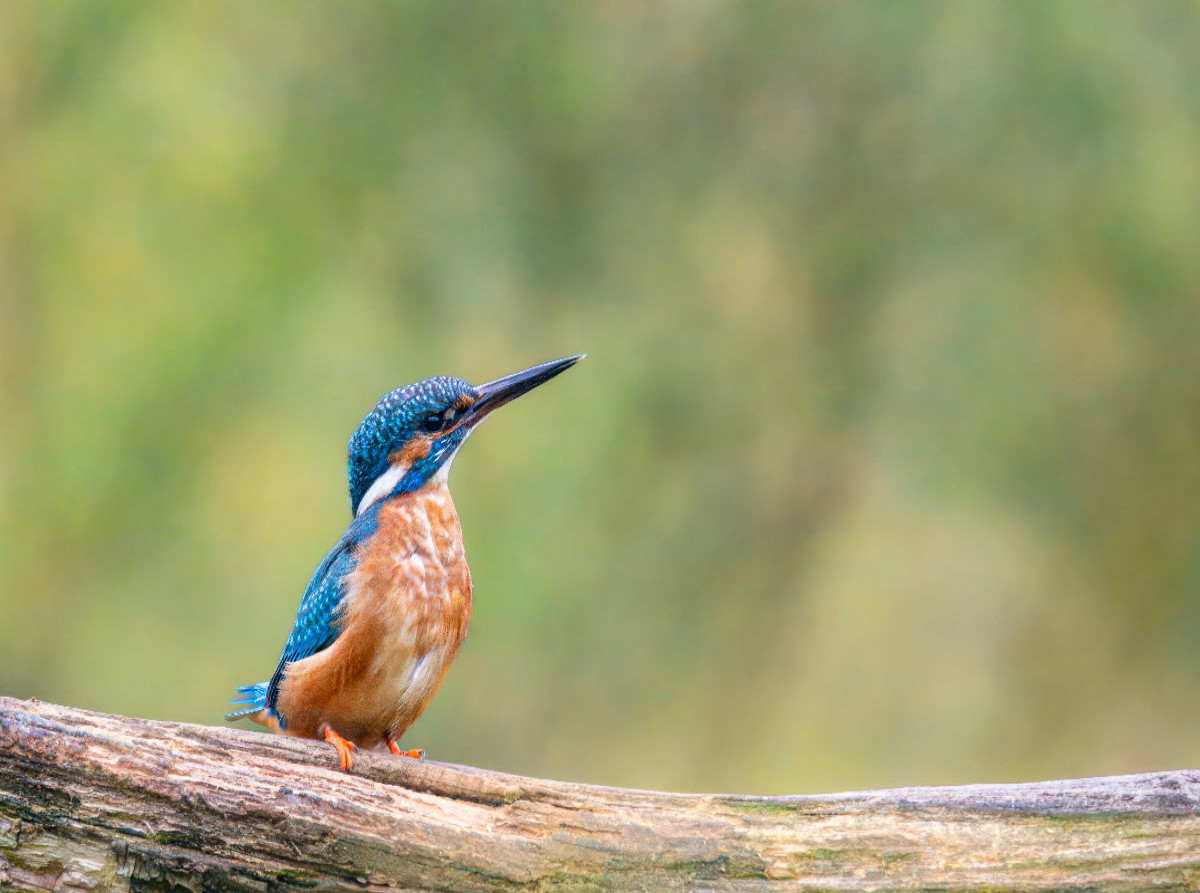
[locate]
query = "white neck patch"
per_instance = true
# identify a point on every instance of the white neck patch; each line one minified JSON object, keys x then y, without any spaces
{"x":383,"y":485}
{"x":386,"y":482}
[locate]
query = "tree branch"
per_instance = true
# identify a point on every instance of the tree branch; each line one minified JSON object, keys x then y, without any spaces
{"x":90,"y":801}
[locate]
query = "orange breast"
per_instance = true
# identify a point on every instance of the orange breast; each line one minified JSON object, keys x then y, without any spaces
{"x":404,"y":617}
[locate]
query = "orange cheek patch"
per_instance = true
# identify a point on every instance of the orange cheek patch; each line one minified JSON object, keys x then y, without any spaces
{"x":414,"y":451}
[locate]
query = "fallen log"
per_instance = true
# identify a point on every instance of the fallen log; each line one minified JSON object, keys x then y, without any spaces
{"x":96,"y":802}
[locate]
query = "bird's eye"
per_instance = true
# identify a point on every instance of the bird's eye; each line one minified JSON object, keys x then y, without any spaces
{"x":439,"y":421}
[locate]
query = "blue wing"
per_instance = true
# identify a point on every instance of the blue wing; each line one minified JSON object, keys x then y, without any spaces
{"x":317,"y":620}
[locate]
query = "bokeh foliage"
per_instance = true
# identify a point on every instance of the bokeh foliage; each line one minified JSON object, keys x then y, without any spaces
{"x":884,"y":467}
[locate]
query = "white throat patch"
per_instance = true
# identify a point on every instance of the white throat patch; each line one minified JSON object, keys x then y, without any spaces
{"x":439,"y":477}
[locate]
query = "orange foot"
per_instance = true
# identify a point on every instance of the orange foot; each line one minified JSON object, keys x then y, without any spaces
{"x":344,"y":747}
{"x":395,"y":748}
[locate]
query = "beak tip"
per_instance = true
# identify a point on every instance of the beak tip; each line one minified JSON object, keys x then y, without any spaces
{"x":496,"y":393}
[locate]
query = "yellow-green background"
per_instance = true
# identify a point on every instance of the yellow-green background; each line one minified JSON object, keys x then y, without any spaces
{"x":883,"y":468}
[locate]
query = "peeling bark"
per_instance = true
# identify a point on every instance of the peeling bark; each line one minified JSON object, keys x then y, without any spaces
{"x":96,"y":802}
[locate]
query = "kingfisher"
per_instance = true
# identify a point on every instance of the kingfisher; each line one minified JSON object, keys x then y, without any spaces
{"x":386,"y":611}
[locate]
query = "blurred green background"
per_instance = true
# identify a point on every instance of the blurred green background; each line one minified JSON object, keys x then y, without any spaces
{"x":883,"y":468}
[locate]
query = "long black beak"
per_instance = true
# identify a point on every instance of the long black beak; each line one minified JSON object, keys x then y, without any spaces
{"x":494,"y":394}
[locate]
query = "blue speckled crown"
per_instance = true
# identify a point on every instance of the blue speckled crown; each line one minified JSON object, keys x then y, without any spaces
{"x":393,"y":421}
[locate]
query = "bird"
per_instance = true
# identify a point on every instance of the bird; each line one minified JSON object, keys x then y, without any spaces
{"x":386,"y":611}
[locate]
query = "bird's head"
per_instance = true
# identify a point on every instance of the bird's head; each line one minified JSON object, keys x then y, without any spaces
{"x":412,"y":434}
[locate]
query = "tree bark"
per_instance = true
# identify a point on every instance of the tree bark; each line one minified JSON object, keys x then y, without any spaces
{"x":96,"y":802}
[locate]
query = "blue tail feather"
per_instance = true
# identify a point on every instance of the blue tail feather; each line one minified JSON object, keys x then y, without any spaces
{"x":255,"y":696}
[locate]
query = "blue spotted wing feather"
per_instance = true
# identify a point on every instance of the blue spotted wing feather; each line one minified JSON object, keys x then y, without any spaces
{"x":318,"y":619}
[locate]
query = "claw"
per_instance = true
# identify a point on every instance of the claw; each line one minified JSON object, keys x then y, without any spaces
{"x":344,"y":747}
{"x":395,"y":748}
